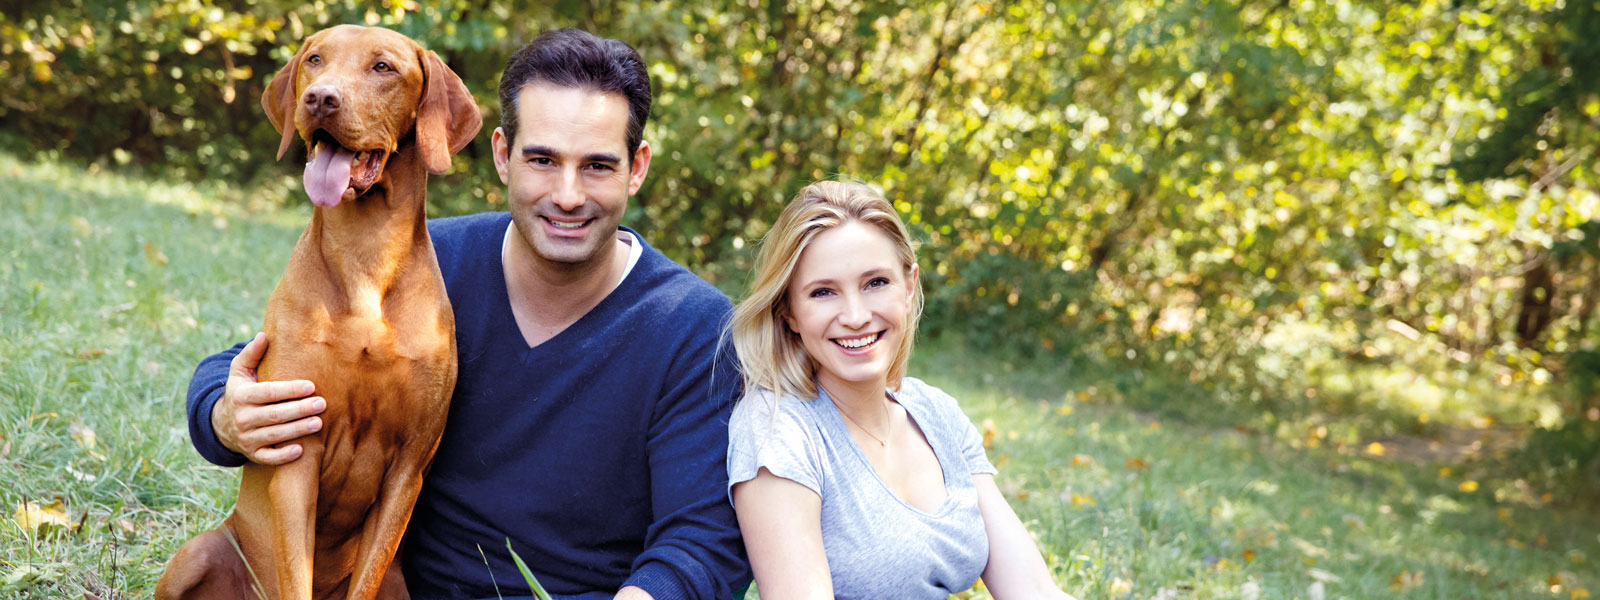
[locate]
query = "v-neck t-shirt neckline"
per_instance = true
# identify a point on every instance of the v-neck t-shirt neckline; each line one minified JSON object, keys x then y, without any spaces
{"x":502,"y":287}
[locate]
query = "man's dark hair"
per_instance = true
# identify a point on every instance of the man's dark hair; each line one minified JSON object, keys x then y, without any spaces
{"x":576,"y":58}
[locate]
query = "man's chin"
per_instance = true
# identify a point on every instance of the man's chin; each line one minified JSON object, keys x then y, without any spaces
{"x":567,"y":251}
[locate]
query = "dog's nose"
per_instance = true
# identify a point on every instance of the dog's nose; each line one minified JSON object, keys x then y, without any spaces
{"x":322,"y":100}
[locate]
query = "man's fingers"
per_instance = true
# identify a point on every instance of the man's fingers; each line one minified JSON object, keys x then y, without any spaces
{"x":276,"y":456}
{"x":272,"y":392}
{"x":262,"y":438}
{"x":280,"y":413}
{"x":245,"y":362}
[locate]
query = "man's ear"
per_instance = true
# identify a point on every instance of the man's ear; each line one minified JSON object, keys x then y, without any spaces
{"x":447,"y":116}
{"x":501,"y":147}
{"x":282,"y":96}
{"x":638,"y":167}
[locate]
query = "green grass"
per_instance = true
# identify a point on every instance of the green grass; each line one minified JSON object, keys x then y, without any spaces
{"x":111,"y":289}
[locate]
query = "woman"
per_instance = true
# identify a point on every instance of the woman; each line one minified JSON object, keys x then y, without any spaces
{"x":849,"y":479}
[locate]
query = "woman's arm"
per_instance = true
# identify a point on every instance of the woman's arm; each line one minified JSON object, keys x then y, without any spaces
{"x":782,"y":525}
{"x":1016,"y":569}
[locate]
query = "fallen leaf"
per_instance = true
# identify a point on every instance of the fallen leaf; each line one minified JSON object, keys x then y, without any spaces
{"x":1444,"y":471}
{"x":1375,"y":449}
{"x":1249,"y":555}
{"x":988,"y":434}
{"x":43,"y":520}
{"x":1120,"y":586}
{"x":82,"y":434}
{"x":1405,"y":580}
{"x":1322,"y":576}
{"x":1080,"y":500}
{"x":1082,"y":460}
{"x":1355,"y":522}
{"x":1134,"y":464}
{"x":92,"y":353}
{"x":154,"y":255}
{"x":1064,"y":410}
{"x":1468,"y":486}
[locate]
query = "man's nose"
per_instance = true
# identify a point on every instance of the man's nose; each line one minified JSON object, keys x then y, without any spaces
{"x":569,"y":194}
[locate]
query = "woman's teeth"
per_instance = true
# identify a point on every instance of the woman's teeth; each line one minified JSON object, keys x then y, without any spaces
{"x":859,"y":342}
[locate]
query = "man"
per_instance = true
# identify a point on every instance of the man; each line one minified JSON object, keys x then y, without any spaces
{"x":593,"y":433}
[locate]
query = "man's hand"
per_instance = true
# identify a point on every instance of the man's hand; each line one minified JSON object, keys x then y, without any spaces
{"x":632,"y":593}
{"x":252,"y":417}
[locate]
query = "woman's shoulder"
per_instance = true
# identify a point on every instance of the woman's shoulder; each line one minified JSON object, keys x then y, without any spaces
{"x":918,"y":390}
{"x":767,"y":409}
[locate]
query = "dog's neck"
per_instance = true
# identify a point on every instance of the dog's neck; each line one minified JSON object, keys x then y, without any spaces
{"x":366,"y":242}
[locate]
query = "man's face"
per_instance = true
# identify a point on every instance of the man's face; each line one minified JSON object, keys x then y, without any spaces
{"x":568,"y":172}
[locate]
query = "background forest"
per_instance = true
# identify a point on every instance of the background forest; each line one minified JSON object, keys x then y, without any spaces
{"x":1355,"y":225}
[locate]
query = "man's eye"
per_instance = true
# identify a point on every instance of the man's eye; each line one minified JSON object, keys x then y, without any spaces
{"x":381,"y":67}
{"x":541,"y":160}
{"x":599,"y":167}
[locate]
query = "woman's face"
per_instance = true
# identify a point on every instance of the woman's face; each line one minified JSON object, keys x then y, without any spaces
{"x":849,"y":299}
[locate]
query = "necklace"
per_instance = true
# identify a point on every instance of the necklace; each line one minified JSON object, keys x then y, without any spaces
{"x":863,"y":429}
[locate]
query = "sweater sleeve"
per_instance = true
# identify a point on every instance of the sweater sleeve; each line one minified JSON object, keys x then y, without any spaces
{"x":205,"y":388}
{"x":693,"y":548}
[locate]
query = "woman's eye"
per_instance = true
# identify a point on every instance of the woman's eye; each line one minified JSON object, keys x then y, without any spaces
{"x":878,"y":282}
{"x":821,"y":292}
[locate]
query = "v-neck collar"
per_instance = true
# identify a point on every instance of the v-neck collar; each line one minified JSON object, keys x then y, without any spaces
{"x":914,"y":412}
{"x":507,"y":315}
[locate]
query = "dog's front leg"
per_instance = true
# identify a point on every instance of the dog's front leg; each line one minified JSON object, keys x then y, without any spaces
{"x":385,"y":525}
{"x":293,"y":495}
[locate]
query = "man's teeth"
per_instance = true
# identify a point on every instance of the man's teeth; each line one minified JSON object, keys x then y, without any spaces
{"x":561,"y":225}
{"x":857,"y":342}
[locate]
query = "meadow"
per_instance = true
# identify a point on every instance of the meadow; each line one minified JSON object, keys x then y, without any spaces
{"x":113,"y":287}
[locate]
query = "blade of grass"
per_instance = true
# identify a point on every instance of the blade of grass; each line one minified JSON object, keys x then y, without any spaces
{"x":538,"y":590}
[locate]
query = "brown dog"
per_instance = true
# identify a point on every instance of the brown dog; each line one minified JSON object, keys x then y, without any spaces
{"x":362,"y":313}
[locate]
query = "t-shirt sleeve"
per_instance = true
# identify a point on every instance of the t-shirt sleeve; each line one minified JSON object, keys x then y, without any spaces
{"x":770,"y":432}
{"x":960,"y":427}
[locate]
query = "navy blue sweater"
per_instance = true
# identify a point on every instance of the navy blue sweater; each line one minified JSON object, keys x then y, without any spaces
{"x":600,"y":453}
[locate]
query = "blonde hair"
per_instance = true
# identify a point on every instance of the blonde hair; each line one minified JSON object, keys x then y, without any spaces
{"x":771,"y":356}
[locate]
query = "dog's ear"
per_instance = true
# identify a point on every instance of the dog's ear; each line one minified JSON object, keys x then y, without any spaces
{"x":447,"y":116}
{"x":283,"y":96}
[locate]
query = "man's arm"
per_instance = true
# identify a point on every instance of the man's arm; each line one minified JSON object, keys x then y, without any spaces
{"x":693,"y":548}
{"x":234,"y":419}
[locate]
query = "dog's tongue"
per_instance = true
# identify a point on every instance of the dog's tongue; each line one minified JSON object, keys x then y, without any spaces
{"x":328,"y":174}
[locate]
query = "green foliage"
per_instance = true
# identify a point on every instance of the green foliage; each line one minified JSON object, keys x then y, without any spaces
{"x":1183,"y":184}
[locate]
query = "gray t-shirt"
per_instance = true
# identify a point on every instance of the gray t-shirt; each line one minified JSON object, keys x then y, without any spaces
{"x":878,"y":546}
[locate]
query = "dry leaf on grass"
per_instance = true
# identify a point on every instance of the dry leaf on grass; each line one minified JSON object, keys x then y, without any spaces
{"x":43,"y":520}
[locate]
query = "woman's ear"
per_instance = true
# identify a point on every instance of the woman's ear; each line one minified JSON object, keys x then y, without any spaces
{"x":911,"y":287}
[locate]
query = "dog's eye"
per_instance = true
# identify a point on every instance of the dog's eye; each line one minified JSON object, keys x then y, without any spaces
{"x":316,"y":59}
{"x":382,"y":67}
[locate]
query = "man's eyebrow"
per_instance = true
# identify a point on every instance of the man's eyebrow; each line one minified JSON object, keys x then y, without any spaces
{"x":602,"y":157}
{"x":538,"y":150}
